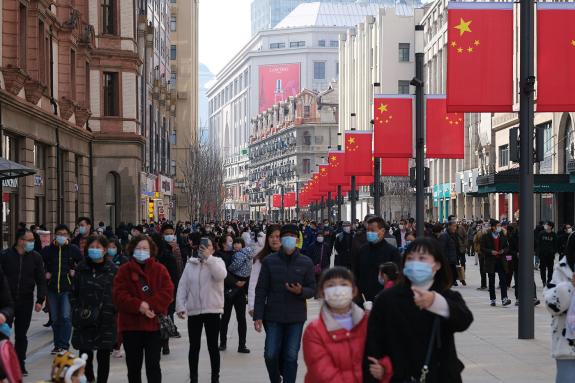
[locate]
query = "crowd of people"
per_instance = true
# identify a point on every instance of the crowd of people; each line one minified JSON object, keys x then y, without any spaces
{"x":106,"y":290}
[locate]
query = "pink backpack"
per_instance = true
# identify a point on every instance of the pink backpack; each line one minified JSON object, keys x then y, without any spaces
{"x":9,"y":362}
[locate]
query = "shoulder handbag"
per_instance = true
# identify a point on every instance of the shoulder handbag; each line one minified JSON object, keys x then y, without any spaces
{"x":432,"y":341}
{"x":167,"y":327}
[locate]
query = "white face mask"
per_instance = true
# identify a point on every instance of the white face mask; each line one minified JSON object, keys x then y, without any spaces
{"x":347,"y":229}
{"x":338,"y":297}
{"x":401,"y":227}
{"x":319,"y":239}
{"x":569,"y":230}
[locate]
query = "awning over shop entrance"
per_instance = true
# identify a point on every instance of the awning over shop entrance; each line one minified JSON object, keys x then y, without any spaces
{"x":10,"y":169}
{"x":508,"y":182}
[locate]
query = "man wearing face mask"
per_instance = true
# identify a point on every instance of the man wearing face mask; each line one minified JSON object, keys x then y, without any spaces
{"x":343,"y":242}
{"x":24,"y":271}
{"x":60,"y":261}
{"x":376,"y":252}
{"x":320,"y":254}
{"x":495,"y":247}
{"x":547,"y":246}
{"x":84,"y":231}
{"x":285,"y":282}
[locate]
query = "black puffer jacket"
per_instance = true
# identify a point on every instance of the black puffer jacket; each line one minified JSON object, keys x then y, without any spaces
{"x":93,"y":291}
{"x":343,"y":246}
{"x":449,"y":245}
{"x":24,"y":273}
{"x":58,"y":261}
{"x":273,"y":301}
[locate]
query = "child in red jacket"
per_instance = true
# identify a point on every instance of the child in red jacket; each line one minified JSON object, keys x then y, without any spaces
{"x":333,"y":344}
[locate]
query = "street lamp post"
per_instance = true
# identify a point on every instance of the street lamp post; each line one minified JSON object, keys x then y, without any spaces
{"x":352,"y":196}
{"x":282,"y":210}
{"x":419,"y":133}
{"x":376,"y":171}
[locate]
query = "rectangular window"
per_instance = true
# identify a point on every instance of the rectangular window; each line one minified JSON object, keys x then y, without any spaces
{"x":39,"y":156}
{"x":277,"y":45}
{"x":173,"y":24}
{"x":297,"y":44}
{"x":22,"y":24}
{"x":72,"y":74}
{"x":111,"y":99}
{"x":334,"y":44}
{"x":403,"y":87}
{"x":306,"y":111}
{"x":321,"y":43}
{"x":109,"y":17}
{"x":306,"y":166}
{"x":87,"y":74}
{"x":40,"y":209}
{"x":547,"y":139}
{"x":404,"y":52}
{"x":319,"y":70}
{"x":503,"y":155}
{"x":173,"y":53}
{"x":41,"y":52}
{"x":173,"y":80}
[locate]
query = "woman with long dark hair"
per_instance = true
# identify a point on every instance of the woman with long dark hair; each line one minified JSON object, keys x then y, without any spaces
{"x":272,"y":244}
{"x":419,"y":331}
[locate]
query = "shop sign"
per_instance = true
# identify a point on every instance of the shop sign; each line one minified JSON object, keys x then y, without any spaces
{"x":38,"y":180}
{"x":10,"y":183}
{"x":148,"y":184}
{"x":164,"y":185}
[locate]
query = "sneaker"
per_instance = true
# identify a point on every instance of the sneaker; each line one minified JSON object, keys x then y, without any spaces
{"x":118,"y":353}
{"x":243,"y":350}
{"x":464,"y":283}
{"x":482,"y":288}
{"x":223,"y":347}
{"x":55,"y":350}
{"x":493,"y":304}
{"x":505,"y":302}
{"x":24,"y":371}
{"x":166,"y":350}
{"x":536,"y":302}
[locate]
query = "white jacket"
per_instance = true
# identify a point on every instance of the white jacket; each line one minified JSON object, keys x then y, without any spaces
{"x":201,"y":287}
{"x":256,"y":267}
{"x":557,"y":301}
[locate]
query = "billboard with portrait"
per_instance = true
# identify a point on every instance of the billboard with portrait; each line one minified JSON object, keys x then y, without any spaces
{"x":277,"y":83}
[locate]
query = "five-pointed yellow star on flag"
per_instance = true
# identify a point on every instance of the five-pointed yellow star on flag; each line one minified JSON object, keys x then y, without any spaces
{"x":333,"y":158}
{"x":351,"y":140}
{"x":382,"y":108}
{"x":459,"y":50}
{"x":453,"y":44}
{"x":573,"y":42}
{"x":476,"y":43}
{"x":470,"y":49}
{"x":463,"y":26}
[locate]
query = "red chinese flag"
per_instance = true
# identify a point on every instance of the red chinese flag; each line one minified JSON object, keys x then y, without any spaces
{"x":324,"y":187}
{"x":336,"y":175}
{"x":480,"y":57}
{"x":289,"y":199}
{"x":277,"y":200}
{"x":395,"y":167}
{"x":358,"y":153}
{"x":393,"y":126}
{"x":364,"y":181}
{"x":555,"y":57}
{"x":444,"y":134}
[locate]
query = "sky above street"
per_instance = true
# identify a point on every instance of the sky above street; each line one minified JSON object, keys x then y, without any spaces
{"x":224,"y":30}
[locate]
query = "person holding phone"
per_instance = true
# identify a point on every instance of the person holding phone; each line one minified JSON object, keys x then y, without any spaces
{"x":200,"y":296}
{"x":494,"y":247}
{"x":285,"y":282}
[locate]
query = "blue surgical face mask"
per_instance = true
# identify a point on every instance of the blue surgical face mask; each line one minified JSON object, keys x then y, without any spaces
{"x":61,"y":240}
{"x":381,"y":280}
{"x":112,"y":251}
{"x":28,"y":246}
{"x":95,"y":254}
{"x":418,"y":272}
{"x":289,"y":243}
{"x":372,"y":237}
{"x":141,"y":255}
{"x":83,"y":379}
{"x":169,"y":238}
{"x":83,"y":229}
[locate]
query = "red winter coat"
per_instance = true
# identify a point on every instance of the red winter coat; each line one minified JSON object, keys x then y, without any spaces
{"x":333,"y":354}
{"x":128,"y":294}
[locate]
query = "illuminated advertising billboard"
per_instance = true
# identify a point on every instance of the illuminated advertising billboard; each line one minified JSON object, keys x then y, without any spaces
{"x":277,"y":83}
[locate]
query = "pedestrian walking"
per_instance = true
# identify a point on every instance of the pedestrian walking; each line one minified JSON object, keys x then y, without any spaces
{"x":84,"y":231}
{"x":142,"y":290}
{"x":93,"y":311}
{"x":560,"y":302}
{"x":495,"y":247}
{"x":200,"y":296}
{"x":24,"y":271}
{"x":449,"y":245}
{"x":547,"y":247}
{"x":285,"y":282}
{"x":60,"y":260}
{"x":420,"y":329}
{"x":320,"y":254}
{"x":333,"y":344}
{"x":343,"y":246}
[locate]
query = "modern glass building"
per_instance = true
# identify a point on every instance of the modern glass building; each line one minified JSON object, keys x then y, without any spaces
{"x":266,"y":14}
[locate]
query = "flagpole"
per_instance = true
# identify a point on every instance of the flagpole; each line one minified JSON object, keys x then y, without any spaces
{"x":376,"y":170}
{"x":419,"y":133}
{"x":352,"y":192}
{"x":526,"y":324}
{"x":339,"y":196}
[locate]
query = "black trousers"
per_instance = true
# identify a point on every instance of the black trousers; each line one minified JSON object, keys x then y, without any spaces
{"x":140,"y":345}
{"x":238,"y":302}
{"x":482,"y":271}
{"x":211,"y":322}
{"x":546,"y":263}
{"x":22,"y":317}
{"x":502,"y":281}
{"x":103,"y":358}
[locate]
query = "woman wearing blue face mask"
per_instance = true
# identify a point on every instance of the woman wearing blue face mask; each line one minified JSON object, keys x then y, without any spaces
{"x":285,"y":282}
{"x":93,"y":311}
{"x":425,"y":312}
{"x":142,"y":290}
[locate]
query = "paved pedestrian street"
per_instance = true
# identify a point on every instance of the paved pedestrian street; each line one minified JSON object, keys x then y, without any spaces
{"x":490,"y":349}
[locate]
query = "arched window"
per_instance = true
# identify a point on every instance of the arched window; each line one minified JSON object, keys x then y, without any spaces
{"x":112,"y":196}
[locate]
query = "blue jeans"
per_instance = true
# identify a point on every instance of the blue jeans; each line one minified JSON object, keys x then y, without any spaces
{"x":282,"y":341}
{"x":60,"y":312}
